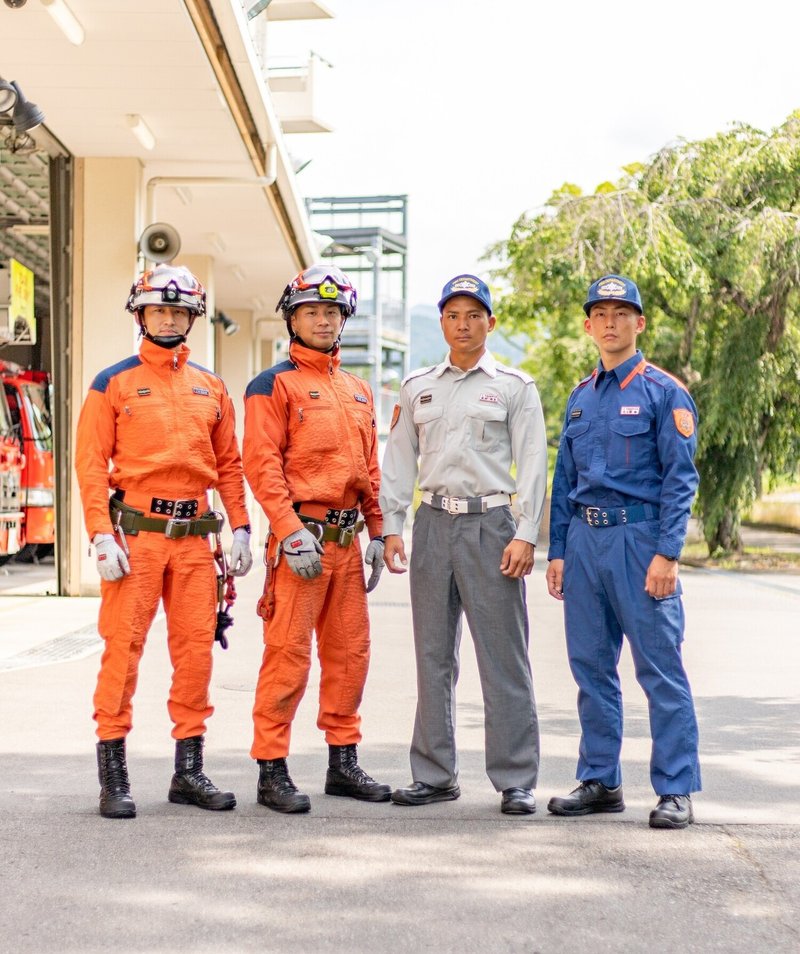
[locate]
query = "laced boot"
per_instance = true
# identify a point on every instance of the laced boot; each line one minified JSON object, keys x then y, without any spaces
{"x":276,"y":790}
{"x":190,"y":786}
{"x":346,"y":777}
{"x":115,"y":789}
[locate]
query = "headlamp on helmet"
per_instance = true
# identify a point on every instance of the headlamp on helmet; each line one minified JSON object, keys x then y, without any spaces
{"x":319,"y":283}
{"x":168,"y":285}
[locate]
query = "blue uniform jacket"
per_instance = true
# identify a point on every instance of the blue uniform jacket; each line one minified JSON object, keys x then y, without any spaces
{"x":629,"y":437}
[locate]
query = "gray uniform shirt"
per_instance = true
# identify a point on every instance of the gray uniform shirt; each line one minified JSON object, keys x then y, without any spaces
{"x":461,"y":430}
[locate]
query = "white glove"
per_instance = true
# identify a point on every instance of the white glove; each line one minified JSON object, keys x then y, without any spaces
{"x":112,"y":563}
{"x":302,"y":551}
{"x":241,"y":557}
{"x":374,"y":557}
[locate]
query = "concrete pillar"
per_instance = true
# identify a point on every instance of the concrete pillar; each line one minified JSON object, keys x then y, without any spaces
{"x":107,"y":227}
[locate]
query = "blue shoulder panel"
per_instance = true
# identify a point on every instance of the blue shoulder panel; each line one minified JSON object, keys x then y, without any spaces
{"x":199,"y":367}
{"x":103,"y":379}
{"x":264,"y":383}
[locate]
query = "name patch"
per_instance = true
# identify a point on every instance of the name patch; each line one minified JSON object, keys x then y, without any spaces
{"x":203,"y":391}
{"x":576,"y":413}
{"x":143,"y":392}
{"x":629,"y":410}
{"x":313,"y":394}
{"x":489,"y":398}
{"x":426,"y":399}
{"x":361,"y":399}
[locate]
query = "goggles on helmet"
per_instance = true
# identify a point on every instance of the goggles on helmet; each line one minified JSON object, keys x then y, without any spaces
{"x":168,"y":285}
{"x":319,"y":283}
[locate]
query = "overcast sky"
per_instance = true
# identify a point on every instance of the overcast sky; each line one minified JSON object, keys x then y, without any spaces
{"x":478,"y":109}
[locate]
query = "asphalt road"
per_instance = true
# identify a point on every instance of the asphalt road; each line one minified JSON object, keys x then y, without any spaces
{"x":457,"y":876}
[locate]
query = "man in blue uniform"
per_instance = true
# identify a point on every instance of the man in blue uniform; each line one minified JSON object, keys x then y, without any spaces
{"x":622,"y":493}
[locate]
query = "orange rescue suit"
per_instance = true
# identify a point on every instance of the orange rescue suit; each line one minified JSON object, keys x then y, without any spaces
{"x":167,"y":427}
{"x":310,"y":438}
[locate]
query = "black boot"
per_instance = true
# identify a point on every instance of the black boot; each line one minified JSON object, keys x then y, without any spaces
{"x":115,"y":789}
{"x":189,"y":785}
{"x":276,"y":789}
{"x":346,"y":777}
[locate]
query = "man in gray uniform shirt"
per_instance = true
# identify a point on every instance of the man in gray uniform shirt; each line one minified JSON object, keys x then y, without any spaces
{"x":460,"y":425}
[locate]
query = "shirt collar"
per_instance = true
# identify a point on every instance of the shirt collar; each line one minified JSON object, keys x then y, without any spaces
{"x":622,"y":370}
{"x":485,"y":363}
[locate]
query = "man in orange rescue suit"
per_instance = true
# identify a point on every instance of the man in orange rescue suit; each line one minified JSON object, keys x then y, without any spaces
{"x":167,"y":428}
{"x":311,"y":457}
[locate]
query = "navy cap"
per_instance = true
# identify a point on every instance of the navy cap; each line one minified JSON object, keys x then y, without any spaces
{"x":468,"y":285}
{"x":613,"y":288}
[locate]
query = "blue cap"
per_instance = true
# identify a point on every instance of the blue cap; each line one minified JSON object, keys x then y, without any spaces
{"x":468,"y":285}
{"x":613,"y":288}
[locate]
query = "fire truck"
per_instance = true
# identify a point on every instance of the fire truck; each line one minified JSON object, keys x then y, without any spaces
{"x":27,"y":439}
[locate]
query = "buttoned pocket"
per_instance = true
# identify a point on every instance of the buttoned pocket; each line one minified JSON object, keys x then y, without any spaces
{"x":630,"y":445}
{"x":577,"y":436}
{"x":487,"y":427}
{"x":430,"y":424}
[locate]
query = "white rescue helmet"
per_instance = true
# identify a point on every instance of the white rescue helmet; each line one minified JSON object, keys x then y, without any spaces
{"x":325,"y":283}
{"x":168,"y":285}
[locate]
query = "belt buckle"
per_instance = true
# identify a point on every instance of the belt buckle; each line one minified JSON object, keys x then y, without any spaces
{"x":450,"y":504}
{"x":346,"y":536}
{"x":592,"y":515}
{"x":176,"y":528}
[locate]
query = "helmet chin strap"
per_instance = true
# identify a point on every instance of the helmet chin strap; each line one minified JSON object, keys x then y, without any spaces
{"x":165,"y":341}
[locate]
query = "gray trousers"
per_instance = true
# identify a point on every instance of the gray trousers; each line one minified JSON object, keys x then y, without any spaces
{"x":455,"y":562}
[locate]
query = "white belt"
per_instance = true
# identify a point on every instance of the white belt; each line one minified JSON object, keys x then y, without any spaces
{"x":466,"y":504}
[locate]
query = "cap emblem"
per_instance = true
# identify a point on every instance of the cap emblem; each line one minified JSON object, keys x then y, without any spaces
{"x":465,"y":285}
{"x":611,"y":288}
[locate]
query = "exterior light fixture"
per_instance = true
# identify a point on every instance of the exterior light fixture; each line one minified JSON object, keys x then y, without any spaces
{"x":229,"y":326}
{"x":8,"y":96}
{"x":141,"y":130}
{"x":65,"y":20}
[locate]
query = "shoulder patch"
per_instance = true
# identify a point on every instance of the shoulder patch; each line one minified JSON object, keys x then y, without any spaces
{"x":264,"y":383}
{"x":684,"y":421}
{"x":103,"y":379}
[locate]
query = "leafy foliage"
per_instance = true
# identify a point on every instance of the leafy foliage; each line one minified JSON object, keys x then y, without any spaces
{"x":710,"y":231}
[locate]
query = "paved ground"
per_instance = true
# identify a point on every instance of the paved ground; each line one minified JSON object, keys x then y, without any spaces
{"x":354,"y":877}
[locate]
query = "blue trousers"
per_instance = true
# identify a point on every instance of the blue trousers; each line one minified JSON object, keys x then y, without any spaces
{"x":604,"y":597}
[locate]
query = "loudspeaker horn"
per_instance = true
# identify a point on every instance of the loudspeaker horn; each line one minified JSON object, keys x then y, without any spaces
{"x":160,"y":242}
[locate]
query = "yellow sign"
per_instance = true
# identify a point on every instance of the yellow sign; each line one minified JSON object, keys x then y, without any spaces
{"x":20,"y":304}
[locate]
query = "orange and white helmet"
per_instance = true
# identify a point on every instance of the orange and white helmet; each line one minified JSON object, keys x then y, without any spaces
{"x":168,"y":285}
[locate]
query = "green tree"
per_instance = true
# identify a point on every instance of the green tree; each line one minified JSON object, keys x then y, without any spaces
{"x":711,"y":233}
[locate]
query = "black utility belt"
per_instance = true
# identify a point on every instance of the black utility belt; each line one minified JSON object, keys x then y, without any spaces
{"x":616,"y":516}
{"x":332,"y":533}
{"x":336,"y":518}
{"x":131,"y":521}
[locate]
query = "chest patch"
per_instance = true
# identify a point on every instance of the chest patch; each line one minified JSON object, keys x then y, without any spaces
{"x":630,"y":411}
{"x":489,"y":398}
{"x":203,"y":391}
{"x":361,"y":399}
{"x":574,"y":415}
{"x":314,"y":395}
{"x":143,"y":392}
{"x":426,"y":399}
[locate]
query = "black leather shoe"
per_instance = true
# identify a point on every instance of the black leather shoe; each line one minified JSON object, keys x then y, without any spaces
{"x":587,"y":799}
{"x":419,"y":793}
{"x":518,"y":801}
{"x":672,"y":811}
